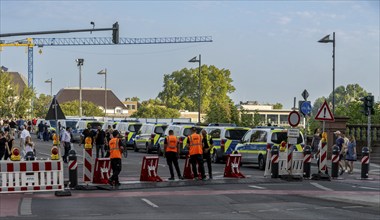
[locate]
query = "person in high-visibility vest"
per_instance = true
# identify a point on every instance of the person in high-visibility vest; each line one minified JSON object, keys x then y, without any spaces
{"x":195,"y":152}
{"x":116,"y":150}
{"x":171,"y":149}
{"x":207,"y":144}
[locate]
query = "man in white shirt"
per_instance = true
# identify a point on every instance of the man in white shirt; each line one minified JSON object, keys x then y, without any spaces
{"x":24,"y":133}
{"x":66,"y":138}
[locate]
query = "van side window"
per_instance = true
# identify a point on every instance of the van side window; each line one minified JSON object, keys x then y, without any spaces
{"x":259,"y":136}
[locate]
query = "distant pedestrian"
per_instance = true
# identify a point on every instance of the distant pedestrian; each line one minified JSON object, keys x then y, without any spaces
{"x":3,"y":145}
{"x":66,"y":140}
{"x":171,"y":149}
{"x":351,"y":155}
{"x":29,"y":147}
{"x":339,"y":142}
{"x":10,"y":140}
{"x":24,"y":133}
{"x":195,"y":152}
{"x":46,"y":132}
{"x":116,"y":150}
{"x":40,"y":130}
{"x":100,"y":140}
{"x":207,"y":144}
{"x":87,"y":137}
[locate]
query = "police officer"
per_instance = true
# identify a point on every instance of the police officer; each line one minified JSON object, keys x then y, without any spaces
{"x":195,"y":152}
{"x":207,"y":144}
{"x":116,"y":150}
{"x":171,"y":149}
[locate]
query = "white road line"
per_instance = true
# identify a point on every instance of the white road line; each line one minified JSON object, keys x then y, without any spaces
{"x":269,"y":210}
{"x":150,"y":203}
{"x":324,"y":207}
{"x":162,"y":165}
{"x":364,"y":187}
{"x":352,"y":207}
{"x":320,"y":186}
{"x":244,"y":211}
{"x":296,"y":209}
{"x":26,"y":206}
{"x":257,"y":187}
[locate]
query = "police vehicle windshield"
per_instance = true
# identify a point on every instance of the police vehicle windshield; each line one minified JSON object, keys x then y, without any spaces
{"x":278,"y":137}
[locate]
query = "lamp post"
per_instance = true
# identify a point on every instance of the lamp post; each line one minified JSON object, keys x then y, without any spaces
{"x":195,"y":60}
{"x":51,"y":85}
{"x":104,"y":72}
{"x":80,"y":64}
{"x":327,"y":39}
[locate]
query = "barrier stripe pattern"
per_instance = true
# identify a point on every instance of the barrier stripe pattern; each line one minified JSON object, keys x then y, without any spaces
{"x":87,"y":165}
{"x":274,"y":158}
{"x":307,"y":158}
{"x":23,"y":176}
{"x":365,"y":160}
{"x":335,"y":158}
{"x":73,"y":165}
{"x":289,"y":159}
{"x":323,"y":159}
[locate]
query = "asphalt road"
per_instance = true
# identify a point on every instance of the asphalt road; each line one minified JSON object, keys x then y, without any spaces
{"x":253,"y":197}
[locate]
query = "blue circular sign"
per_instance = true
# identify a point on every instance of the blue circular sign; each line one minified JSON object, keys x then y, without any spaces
{"x":306,"y":108}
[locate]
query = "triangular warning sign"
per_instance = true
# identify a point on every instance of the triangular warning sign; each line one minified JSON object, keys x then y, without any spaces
{"x":55,"y":111}
{"x":324,"y":113}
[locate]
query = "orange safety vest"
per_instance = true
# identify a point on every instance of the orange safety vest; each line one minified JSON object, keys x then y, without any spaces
{"x":115,"y":151}
{"x":195,"y":144}
{"x":171,"y":144}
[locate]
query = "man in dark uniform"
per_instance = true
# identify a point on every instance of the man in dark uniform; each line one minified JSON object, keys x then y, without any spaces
{"x":207,"y":144}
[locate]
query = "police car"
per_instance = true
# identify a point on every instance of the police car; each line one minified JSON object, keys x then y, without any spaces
{"x":148,"y":136}
{"x":253,"y":146}
{"x":128,"y":131}
{"x":224,"y":138}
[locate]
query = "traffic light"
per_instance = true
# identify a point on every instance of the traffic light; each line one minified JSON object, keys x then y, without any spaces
{"x":368,"y":102}
{"x":115,"y":33}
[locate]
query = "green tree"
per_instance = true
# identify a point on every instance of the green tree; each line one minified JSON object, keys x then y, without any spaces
{"x":41,"y":105}
{"x":153,"y":108}
{"x":88,"y":108}
{"x":181,"y":92}
{"x":14,"y":103}
{"x":277,"y":106}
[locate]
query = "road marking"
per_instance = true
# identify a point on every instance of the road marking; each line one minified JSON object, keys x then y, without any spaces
{"x":352,"y":207}
{"x":257,"y":187}
{"x":26,"y":206}
{"x":269,"y":210}
{"x":244,"y":211}
{"x":364,"y":187}
{"x":150,"y":203}
{"x":320,"y":186}
{"x":162,"y":165}
{"x":296,"y":209}
{"x":324,"y":207}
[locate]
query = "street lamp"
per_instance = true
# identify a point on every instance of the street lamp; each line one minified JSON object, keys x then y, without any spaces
{"x":194,"y":60}
{"x":327,"y":39}
{"x":80,"y":64}
{"x":104,"y":72}
{"x":51,"y":85}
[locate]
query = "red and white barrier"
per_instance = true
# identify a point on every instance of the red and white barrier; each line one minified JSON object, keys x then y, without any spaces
{"x":268,"y":163}
{"x":31,"y":176}
{"x":73,"y":164}
{"x":87,"y":165}
{"x":149,"y":169}
{"x":323,"y":158}
{"x":232,"y":168}
{"x":102,"y":171}
{"x":307,"y":158}
{"x":289,"y":161}
{"x":188,"y":170}
{"x":365,"y":160}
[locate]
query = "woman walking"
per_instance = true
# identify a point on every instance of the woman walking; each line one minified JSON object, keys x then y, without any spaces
{"x":351,"y":154}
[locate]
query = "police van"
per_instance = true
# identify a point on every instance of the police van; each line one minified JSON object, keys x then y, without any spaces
{"x":128,"y":131}
{"x":253,"y":146}
{"x":148,"y":136}
{"x":181,"y":131}
{"x":224,"y":138}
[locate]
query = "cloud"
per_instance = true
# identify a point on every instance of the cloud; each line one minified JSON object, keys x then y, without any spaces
{"x":284,"y":20}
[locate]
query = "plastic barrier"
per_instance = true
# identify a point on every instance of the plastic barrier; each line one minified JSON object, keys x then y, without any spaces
{"x":102,"y":171}
{"x":188,"y":171}
{"x":232,"y":168}
{"x":274,"y":161}
{"x":307,"y":162}
{"x":283,"y":164}
{"x":149,"y":169}
{"x":268,"y":164}
{"x":323,"y":158}
{"x":335,"y":162}
{"x":31,"y":176}
{"x":297,"y":164}
{"x":87,"y":165}
{"x":73,"y":169}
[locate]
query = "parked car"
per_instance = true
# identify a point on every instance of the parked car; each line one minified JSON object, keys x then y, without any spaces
{"x":148,"y":136}
{"x":82,"y":124}
{"x":128,"y":131}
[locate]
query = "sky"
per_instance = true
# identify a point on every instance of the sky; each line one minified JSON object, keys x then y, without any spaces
{"x":270,"y":47}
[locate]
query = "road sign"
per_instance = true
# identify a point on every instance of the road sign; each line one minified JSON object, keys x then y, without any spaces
{"x":293,"y":132}
{"x":306,"y":108}
{"x":305,"y":94}
{"x":324,"y":113}
{"x":294,"y":118}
